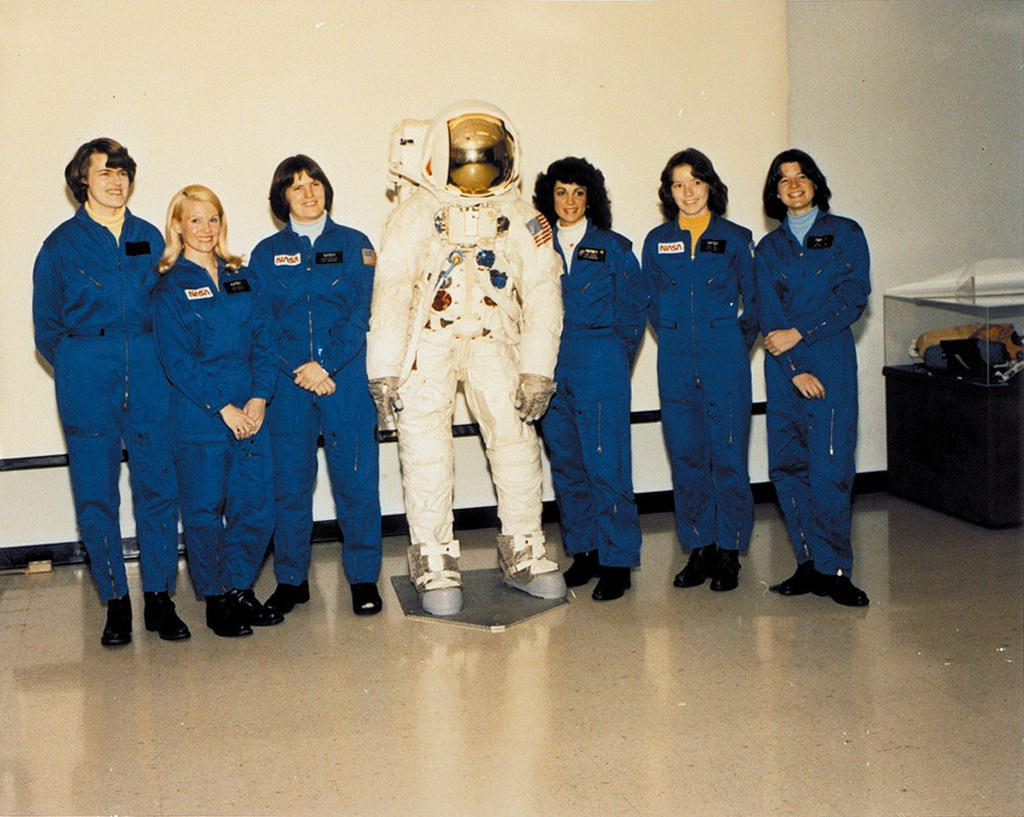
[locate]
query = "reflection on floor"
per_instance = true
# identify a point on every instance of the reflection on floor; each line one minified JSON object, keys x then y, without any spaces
{"x":664,"y":702}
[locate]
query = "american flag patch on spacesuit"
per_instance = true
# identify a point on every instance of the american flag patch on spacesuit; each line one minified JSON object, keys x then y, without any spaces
{"x":539,"y":229}
{"x":369,"y":257}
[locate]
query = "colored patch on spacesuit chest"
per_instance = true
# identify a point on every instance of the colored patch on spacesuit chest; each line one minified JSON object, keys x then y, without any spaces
{"x":498,"y":279}
{"x":820,"y":242}
{"x":713,"y":245}
{"x":485,"y":258}
{"x":442,"y":300}
{"x":331,"y":257}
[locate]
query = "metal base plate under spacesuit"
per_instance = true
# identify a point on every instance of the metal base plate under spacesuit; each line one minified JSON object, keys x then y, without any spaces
{"x":489,"y":603}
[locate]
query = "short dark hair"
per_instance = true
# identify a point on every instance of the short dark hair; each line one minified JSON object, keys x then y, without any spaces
{"x":773,"y":205}
{"x":284,"y":177}
{"x":76,"y":174}
{"x":572,"y":170}
{"x":718,"y":197}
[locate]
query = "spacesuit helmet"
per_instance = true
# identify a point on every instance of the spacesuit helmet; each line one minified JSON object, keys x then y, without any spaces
{"x":471,"y":150}
{"x":480,"y":153}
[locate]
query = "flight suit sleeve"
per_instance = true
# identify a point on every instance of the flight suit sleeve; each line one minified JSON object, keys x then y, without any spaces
{"x":259,"y":268}
{"x":174,"y":348}
{"x":263,"y":357}
{"x":651,"y":277}
{"x":770,"y":312}
{"x":46,"y":303}
{"x":749,"y":321}
{"x":848,"y":291}
{"x":351,"y":335}
{"x":632,"y":299}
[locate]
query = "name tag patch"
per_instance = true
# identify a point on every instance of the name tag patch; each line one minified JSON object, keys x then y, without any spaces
{"x":236,"y":286}
{"x":332,"y":257}
{"x":590,"y":254}
{"x":715,"y":245}
{"x":285,"y":260}
{"x":196,"y":294}
{"x":137,"y":248}
{"x":671,"y":247}
{"x":820,"y":242}
{"x":369,"y":257}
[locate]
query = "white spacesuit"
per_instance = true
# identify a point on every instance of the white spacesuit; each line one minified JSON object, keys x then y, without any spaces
{"x":467,"y":290}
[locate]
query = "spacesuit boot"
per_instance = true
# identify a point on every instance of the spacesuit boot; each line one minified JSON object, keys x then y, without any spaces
{"x":434,"y":570}
{"x":526,"y":565}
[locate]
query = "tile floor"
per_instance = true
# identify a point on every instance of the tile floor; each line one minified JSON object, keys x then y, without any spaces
{"x":665,"y":702}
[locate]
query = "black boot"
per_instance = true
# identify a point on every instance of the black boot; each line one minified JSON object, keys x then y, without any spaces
{"x":698,"y":567}
{"x":613,"y":583}
{"x":726,"y":572}
{"x":161,"y":617}
{"x":225,"y":618}
{"x":583,"y":568}
{"x":366,"y":600}
{"x":841,"y":590}
{"x":118,"y":629}
{"x":286,"y":596}
{"x":804,"y":581}
{"x":253,"y":613}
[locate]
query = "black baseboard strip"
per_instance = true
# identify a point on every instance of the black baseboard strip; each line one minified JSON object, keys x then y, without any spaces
{"x":17,"y":557}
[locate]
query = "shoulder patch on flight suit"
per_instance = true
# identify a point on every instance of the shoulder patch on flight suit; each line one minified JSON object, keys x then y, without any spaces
{"x":236,"y":286}
{"x":590,"y":254}
{"x":820,"y":242}
{"x":287,"y":260}
{"x":369,"y":257}
{"x":330,"y":257}
{"x":201,"y":292}
{"x":715,"y":245}
{"x":137,"y":248}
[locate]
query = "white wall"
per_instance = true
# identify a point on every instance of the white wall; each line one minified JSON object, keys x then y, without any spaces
{"x":915,"y":112}
{"x":218,"y":93}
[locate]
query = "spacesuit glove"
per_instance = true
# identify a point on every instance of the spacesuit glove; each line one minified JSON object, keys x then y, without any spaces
{"x":533,"y":395}
{"x":384,"y":391}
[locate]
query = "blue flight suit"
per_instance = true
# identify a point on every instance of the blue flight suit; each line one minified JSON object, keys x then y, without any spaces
{"x":704,"y":374}
{"x":586,"y":428}
{"x":216,"y":348}
{"x":91,"y":304}
{"x":319,"y":297}
{"x":819,"y":287}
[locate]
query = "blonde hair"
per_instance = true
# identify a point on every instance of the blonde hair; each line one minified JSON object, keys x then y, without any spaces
{"x":172,"y":238}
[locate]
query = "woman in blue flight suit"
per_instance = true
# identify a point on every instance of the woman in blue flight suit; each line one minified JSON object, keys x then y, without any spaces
{"x":93,"y":283}
{"x":586,"y":428}
{"x":317,"y":277}
{"x":699,"y":265}
{"x":813,"y":284}
{"x":214,"y":341}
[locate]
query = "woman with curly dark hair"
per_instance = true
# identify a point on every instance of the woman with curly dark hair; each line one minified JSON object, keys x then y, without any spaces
{"x":699,"y":265}
{"x":586,"y":428}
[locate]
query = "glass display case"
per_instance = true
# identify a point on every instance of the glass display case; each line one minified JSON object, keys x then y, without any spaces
{"x":955,"y":392}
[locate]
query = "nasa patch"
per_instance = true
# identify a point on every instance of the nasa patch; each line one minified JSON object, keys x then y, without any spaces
{"x":196,"y":294}
{"x":671,"y":247}
{"x":286,"y":260}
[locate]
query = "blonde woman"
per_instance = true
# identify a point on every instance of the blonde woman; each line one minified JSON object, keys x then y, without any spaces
{"x":214,"y":342}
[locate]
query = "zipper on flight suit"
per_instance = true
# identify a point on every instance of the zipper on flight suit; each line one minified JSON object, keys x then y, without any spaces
{"x":309,"y":304}
{"x":124,"y":320}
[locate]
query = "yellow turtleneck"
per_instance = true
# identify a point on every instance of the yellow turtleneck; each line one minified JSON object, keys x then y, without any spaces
{"x":113,"y":223}
{"x":696,"y":227}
